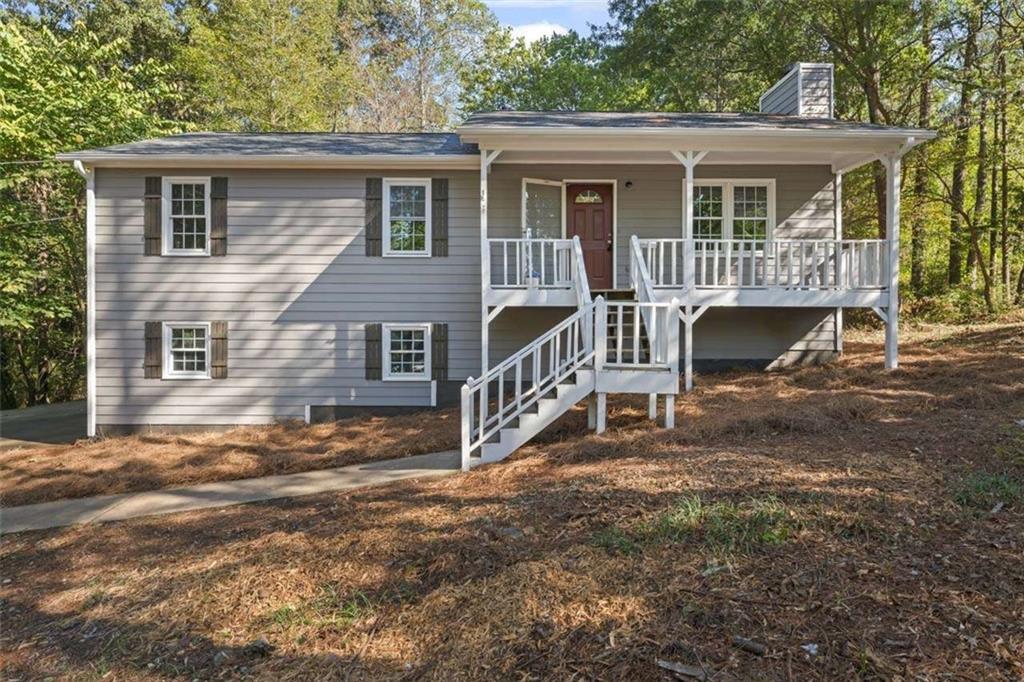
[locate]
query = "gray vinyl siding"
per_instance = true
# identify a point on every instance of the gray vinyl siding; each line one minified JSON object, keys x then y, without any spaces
{"x":812,"y":83}
{"x":785,"y":98}
{"x":652,"y":208}
{"x":817,"y":90}
{"x":295,"y":288}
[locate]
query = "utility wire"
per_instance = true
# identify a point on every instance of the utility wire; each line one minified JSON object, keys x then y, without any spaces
{"x":29,"y":161}
{"x":41,"y":220}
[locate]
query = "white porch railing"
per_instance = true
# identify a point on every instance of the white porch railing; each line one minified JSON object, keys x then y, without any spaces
{"x":623,"y":326}
{"x":579,"y":274}
{"x":506,"y":390}
{"x":640,"y":277}
{"x":531,"y":263}
{"x":810,"y":264}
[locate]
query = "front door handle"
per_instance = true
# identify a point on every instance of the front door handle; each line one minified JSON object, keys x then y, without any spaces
{"x":609,"y":244}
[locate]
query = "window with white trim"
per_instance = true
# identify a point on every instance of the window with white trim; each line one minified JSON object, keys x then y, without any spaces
{"x":406,"y":351}
{"x":708,"y":212}
{"x":186,"y":214}
{"x":406,"y":208}
{"x":187,"y":350}
{"x":734,"y":209}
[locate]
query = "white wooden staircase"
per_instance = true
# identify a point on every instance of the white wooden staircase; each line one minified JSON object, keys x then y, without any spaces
{"x":617,"y":346}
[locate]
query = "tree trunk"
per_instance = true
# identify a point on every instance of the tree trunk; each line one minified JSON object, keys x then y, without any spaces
{"x":980,"y":179}
{"x":993,"y":203}
{"x":919,"y":220}
{"x":1003,"y":142}
{"x":960,"y":146}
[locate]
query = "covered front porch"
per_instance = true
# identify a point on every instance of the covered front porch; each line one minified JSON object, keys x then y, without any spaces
{"x":744,"y":220}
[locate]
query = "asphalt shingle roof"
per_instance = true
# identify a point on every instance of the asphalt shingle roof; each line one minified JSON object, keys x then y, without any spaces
{"x":296,"y":144}
{"x":664,"y":120}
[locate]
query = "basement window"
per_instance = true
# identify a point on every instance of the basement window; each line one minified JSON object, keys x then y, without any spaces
{"x":186,"y":354}
{"x":406,"y":352}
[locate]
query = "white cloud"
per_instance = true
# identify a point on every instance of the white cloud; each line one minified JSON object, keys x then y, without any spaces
{"x":531,"y":33}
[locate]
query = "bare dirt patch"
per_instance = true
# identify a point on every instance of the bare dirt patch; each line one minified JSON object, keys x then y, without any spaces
{"x":157,"y":460}
{"x":826,"y":523}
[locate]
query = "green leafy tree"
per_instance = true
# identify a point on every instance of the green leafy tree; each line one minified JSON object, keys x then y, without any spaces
{"x":412,"y":57}
{"x":267,"y":65}
{"x":57,"y":93}
{"x":560,"y":72}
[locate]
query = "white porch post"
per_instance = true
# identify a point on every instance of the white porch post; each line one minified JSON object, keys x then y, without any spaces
{"x":486,"y":159}
{"x":688,"y":348}
{"x":485,"y":266}
{"x":838,"y":201}
{"x":689,"y":160}
{"x":893,"y":171}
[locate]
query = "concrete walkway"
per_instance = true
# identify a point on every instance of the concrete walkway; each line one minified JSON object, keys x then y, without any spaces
{"x":42,"y":425}
{"x":224,"y":493}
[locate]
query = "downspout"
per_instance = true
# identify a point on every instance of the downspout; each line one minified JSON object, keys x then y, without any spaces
{"x":90,"y":295}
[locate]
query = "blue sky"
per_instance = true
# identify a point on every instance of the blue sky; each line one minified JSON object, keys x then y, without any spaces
{"x":533,"y":19}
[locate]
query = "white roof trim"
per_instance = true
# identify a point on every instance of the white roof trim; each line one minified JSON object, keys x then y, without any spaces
{"x":471,"y":132}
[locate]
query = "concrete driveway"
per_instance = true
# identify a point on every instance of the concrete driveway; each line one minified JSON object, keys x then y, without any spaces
{"x":42,"y":425}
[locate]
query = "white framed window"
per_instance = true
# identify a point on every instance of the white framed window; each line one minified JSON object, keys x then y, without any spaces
{"x":406,"y":209}
{"x":186,"y":216}
{"x":406,"y":349}
{"x":186,"y":350}
{"x":734,"y":209}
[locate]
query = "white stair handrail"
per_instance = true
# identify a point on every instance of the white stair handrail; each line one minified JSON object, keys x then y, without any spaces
{"x":640,"y":278}
{"x":552,"y":358}
{"x":579,"y":274}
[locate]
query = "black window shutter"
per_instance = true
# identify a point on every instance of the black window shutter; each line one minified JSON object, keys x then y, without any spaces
{"x":439,"y":351}
{"x":218,"y":350}
{"x":439,"y":216}
{"x":374,"y":216}
{"x":152,"y":221}
{"x":154,"y":361}
{"x":373,"y":352}
{"x":219,"y":217}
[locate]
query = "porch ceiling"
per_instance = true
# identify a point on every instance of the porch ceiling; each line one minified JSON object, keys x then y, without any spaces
{"x":839,"y":144}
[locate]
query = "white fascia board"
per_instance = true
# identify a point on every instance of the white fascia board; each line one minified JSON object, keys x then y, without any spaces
{"x":436,"y":161}
{"x":475,"y":133}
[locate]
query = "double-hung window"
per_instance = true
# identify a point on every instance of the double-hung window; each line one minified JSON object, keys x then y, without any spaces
{"x":186,"y":211}
{"x":734,"y":209}
{"x":406,"y":209}
{"x":187,"y":350}
{"x":406,"y":351}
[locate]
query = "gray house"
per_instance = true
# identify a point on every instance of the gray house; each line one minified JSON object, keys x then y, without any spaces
{"x":523,"y":263}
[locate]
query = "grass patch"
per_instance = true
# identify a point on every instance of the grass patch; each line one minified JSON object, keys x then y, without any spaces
{"x":326,"y":609}
{"x":616,"y":541}
{"x":983,"y":490}
{"x":725,"y":527}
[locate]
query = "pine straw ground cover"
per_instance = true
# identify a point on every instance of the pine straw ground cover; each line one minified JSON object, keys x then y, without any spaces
{"x":158,"y":460}
{"x":856,"y":523}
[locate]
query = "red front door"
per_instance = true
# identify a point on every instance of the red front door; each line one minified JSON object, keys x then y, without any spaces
{"x":589,"y":214}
